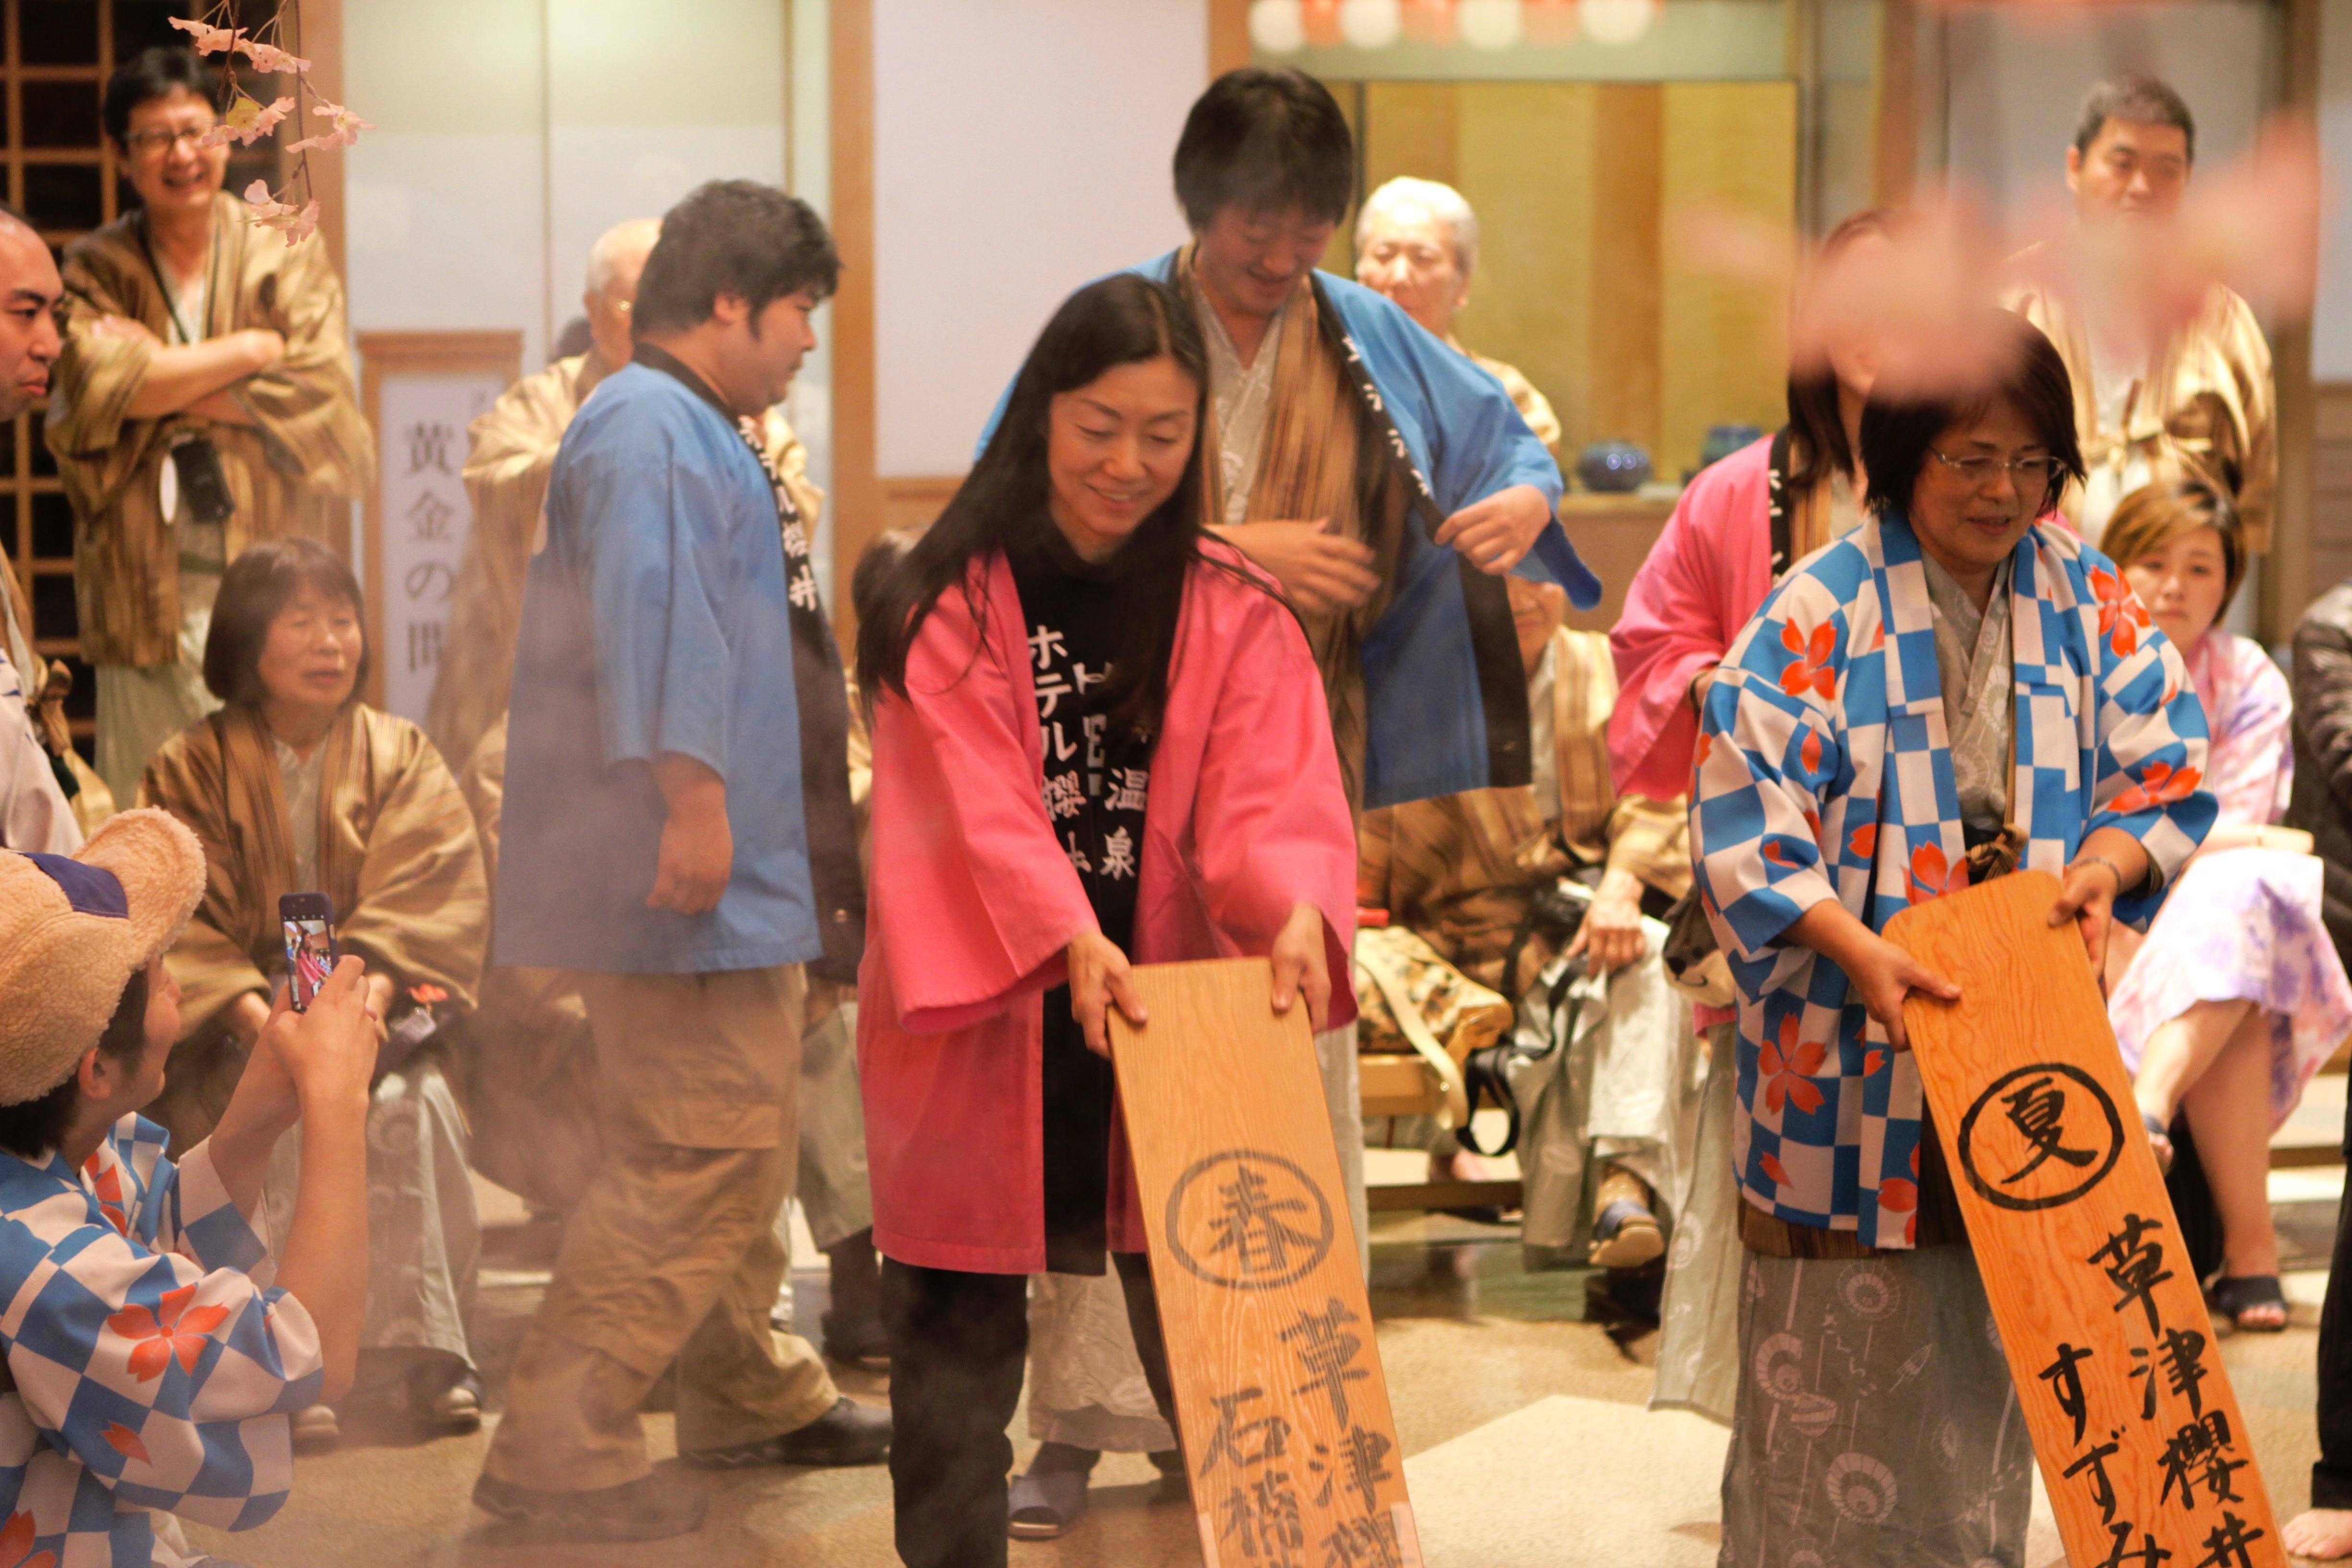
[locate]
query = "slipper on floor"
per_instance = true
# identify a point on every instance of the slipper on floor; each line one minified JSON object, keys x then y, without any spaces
{"x":2233,"y":1298}
{"x":1626,"y":1235}
{"x":1044,"y":1504}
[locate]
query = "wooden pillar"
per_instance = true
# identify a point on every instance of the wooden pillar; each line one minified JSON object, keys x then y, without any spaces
{"x":1229,"y":43}
{"x":1895,"y":155}
{"x":2286,"y":580}
{"x":320,"y":41}
{"x":856,"y":498}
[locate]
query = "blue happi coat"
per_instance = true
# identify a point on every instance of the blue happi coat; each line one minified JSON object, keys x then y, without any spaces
{"x":1427,"y":693}
{"x":1825,"y":772}
{"x":151,"y":1362}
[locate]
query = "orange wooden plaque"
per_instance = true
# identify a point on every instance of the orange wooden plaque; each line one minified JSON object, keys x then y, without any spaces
{"x":1280,"y":1398}
{"x":2147,"y":1461}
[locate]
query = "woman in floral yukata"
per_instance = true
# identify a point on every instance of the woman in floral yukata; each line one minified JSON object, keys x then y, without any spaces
{"x":1946,"y":693}
{"x":1100,"y":738}
{"x":2238,"y":994}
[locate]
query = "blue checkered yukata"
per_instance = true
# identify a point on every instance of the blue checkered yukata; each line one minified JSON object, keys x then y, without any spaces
{"x":1825,"y":772}
{"x":150,"y":1365}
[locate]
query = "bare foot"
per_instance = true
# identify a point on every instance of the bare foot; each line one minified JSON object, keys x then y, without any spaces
{"x":2325,"y":1534}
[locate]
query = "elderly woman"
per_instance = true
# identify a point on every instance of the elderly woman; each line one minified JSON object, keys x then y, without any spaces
{"x":1416,"y":242}
{"x":296,"y":786}
{"x":2238,"y":994}
{"x":1859,"y":753}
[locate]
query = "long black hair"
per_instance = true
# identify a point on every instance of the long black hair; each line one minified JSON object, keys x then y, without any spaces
{"x":1820,"y":448}
{"x":1125,"y":318}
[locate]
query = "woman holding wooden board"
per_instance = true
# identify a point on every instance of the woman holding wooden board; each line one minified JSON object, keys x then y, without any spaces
{"x":1957,"y":687}
{"x":1098,"y":737}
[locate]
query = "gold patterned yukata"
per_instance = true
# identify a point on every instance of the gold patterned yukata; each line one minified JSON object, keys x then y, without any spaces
{"x":2206,"y":399}
{"x":372,"y":818}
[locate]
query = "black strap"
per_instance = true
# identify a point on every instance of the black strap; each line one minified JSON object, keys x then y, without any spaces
{"x":163,"y":286}
{"x":1486,"y":603}
{"x":1776,"y":504}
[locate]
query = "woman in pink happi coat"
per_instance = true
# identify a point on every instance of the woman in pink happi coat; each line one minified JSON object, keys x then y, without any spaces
{"x":1098,"y":739}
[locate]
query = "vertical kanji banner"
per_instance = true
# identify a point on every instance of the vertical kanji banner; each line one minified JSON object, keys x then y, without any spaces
{"x":1281,"y":1404}
{"x":2146,"y":1458}
{"x":419,"y":392}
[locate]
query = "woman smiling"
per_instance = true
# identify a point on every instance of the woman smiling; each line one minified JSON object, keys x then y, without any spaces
{"x":1098,"y":740}
{"x":1954,"y":689}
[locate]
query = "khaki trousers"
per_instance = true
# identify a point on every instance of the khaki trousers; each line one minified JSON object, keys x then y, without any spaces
{"x":671,"y":1253}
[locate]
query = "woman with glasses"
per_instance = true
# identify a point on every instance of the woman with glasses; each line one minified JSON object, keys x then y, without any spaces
{"x":1957,"y":688}
{"x":202,"y":402}
{"x":2238,"y":994}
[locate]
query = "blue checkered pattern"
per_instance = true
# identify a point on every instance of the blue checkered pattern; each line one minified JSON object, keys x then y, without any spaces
{"x":1825,"y":772}
{"x":153,"y":1365}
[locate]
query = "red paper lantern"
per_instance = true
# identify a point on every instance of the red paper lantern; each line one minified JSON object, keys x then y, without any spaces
{"x":1321,"y":18}
{"x":1548,"y":22}
{"x":1429,"y":21}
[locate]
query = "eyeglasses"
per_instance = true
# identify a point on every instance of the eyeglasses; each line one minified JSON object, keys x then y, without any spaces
{"x":2032,"y":474}
{"x":160,"y":139}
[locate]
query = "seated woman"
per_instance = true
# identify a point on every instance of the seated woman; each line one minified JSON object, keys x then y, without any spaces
{"x":296,"y":786}
{"x":1098,"y":738}
{"x":1851,"y":1229}
{"x":2238,"y":994}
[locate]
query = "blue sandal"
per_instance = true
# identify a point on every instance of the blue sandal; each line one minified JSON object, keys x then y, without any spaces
{"x":2235,"y":1297}
{"x":1044,"y":1504}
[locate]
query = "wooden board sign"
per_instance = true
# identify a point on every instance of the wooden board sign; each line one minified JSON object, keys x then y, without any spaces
{"x":2147,"y":1461}
{"x":1280,"y":1398}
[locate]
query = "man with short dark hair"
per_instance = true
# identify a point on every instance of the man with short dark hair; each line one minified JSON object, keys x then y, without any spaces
{"x":1344,"y":443}
{"x":654,"y":843}
{"x":36,"y":810}
{"x":2147,"y":411}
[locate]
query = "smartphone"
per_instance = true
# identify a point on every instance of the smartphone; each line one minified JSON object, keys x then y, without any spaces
{"x":309,"y":919}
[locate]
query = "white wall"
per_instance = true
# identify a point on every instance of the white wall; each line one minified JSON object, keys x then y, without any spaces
{"x":2018,"y":74}
{"x":1021,"y":147}
{"x":494,"y":167}
{"x":2331,"y":327}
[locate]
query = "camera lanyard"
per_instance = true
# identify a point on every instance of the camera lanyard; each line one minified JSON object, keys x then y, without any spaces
{"x":171,"y":298}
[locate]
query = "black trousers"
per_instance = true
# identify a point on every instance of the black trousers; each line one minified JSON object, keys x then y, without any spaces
{"x":2331,"y":1477}
{"x":958,"y":1347}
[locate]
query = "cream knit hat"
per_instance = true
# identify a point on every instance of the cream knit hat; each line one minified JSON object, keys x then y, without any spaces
{"x":73,"y":930}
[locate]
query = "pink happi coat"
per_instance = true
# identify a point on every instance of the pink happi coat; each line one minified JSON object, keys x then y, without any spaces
{"x":974,"y":900}
{"x":1710,"y":569}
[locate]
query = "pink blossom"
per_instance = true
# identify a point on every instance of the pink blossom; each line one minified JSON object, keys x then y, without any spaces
{"x":269,"y":57}
{"x":246,"y":122}
{"x":207,"y":41}
{"x":268,"y":212}
{"x":345,"y":130}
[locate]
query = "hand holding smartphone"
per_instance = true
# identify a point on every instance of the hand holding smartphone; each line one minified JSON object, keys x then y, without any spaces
{"x":309,"y":921}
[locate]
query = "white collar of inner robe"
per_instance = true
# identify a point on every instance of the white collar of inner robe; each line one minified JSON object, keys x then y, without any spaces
{"x":1241,"y":395}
